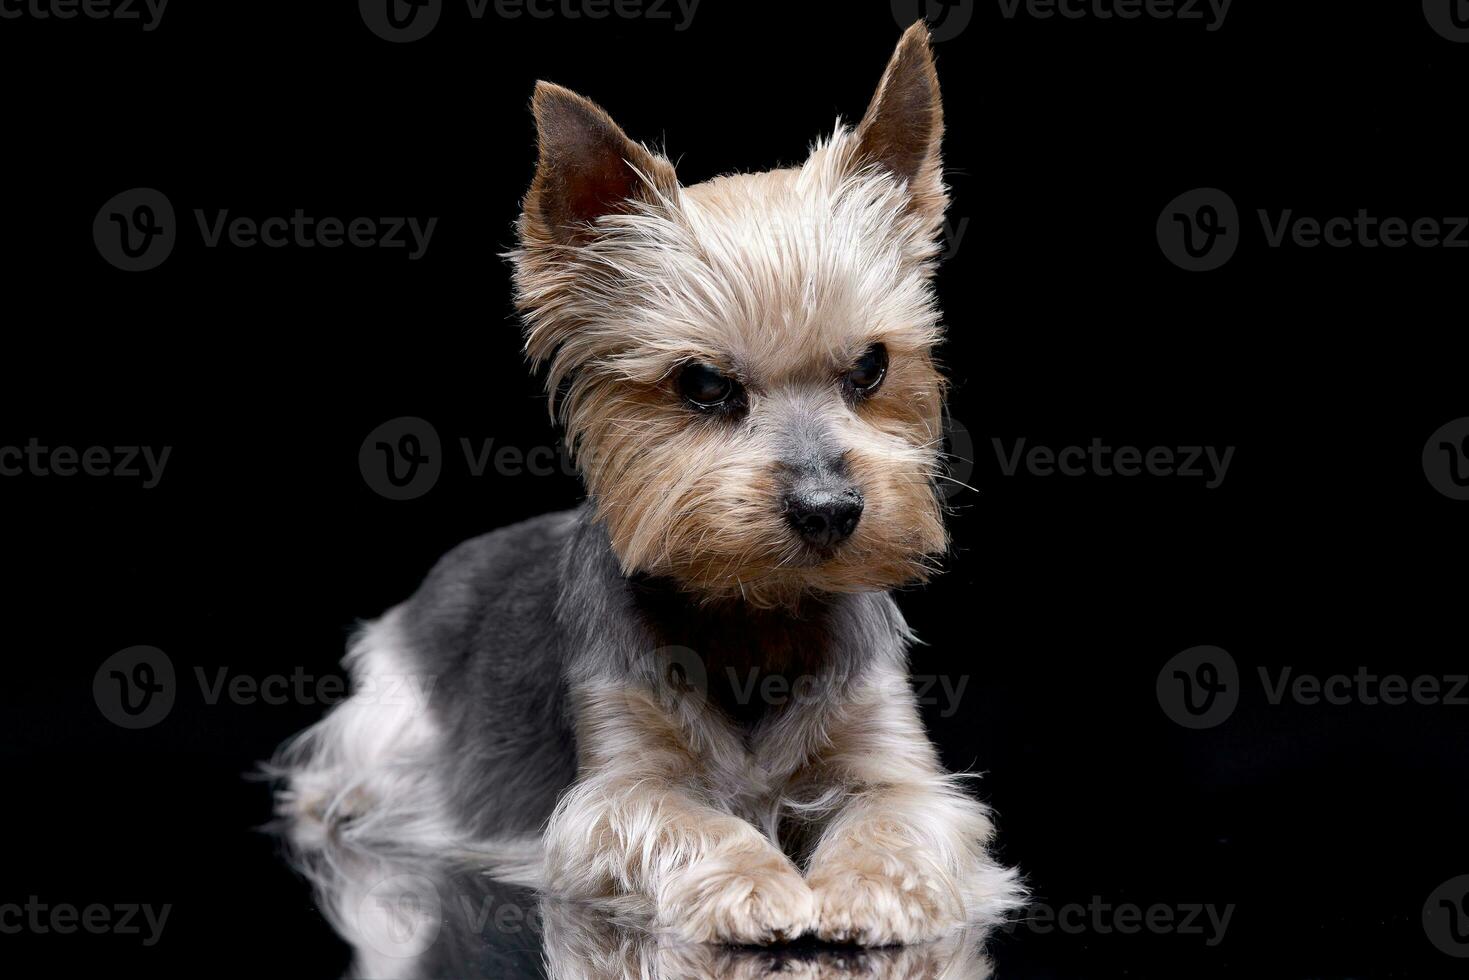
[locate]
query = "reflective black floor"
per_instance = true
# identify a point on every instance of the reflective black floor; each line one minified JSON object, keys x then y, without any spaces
{"x":406,"y":920}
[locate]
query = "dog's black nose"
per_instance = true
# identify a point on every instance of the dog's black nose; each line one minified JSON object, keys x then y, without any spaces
{"x":824,"y":517}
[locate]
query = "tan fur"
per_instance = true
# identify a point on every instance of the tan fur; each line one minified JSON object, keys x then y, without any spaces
{"x":781,"y":279}
{"x":664,"y":821}
{"x":643,"y":820}
{"x":905,"y":860}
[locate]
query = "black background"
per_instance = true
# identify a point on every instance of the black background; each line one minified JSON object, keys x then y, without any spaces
{"x":1325,"y":548}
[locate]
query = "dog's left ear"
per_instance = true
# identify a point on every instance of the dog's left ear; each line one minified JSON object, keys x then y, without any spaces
{"x":587,"y":168}
{"x":904,"y":125}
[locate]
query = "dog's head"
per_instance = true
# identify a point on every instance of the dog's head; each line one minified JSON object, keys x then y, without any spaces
{"x":744,"y":366}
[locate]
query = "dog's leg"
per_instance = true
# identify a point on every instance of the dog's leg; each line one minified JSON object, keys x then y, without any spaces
{"x":904,"y":859}
{"x":641,"y":822}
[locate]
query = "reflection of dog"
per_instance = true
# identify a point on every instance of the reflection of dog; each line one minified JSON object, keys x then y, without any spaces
{"x":420,"y":920}
{"x":579,"y":945}
{"x":744,"y":368}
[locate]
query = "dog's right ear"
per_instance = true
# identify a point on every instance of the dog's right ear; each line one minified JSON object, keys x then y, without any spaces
{"x":904,"y":124}
{"x":587,"y":168}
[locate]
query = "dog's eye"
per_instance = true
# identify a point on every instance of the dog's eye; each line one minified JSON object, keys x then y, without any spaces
{"x":867,"y":374}
{"x":704,"y":387}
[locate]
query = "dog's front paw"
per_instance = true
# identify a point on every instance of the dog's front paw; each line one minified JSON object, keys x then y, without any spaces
{"x":741,"y":899}
{"x":883,"y":900}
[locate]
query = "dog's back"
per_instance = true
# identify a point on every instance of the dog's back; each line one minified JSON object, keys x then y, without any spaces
{"x":484,"y":625}
{"x":456,"y":732}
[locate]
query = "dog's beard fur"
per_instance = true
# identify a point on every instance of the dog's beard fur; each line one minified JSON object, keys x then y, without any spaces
{"x":781,"y":279}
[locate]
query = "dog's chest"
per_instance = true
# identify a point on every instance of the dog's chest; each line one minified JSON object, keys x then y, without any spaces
{"x":752,"y":666}
{"x":756,"y":772}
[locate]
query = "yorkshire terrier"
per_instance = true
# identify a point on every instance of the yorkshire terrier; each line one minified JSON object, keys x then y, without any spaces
{"x":744,"y":370}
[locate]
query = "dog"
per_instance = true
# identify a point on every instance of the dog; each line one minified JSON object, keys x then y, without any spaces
{"x":744,"y":369}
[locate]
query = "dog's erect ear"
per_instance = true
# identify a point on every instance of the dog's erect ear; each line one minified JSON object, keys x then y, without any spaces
{"x":904,"y":125}
{"x":587,"y":168}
